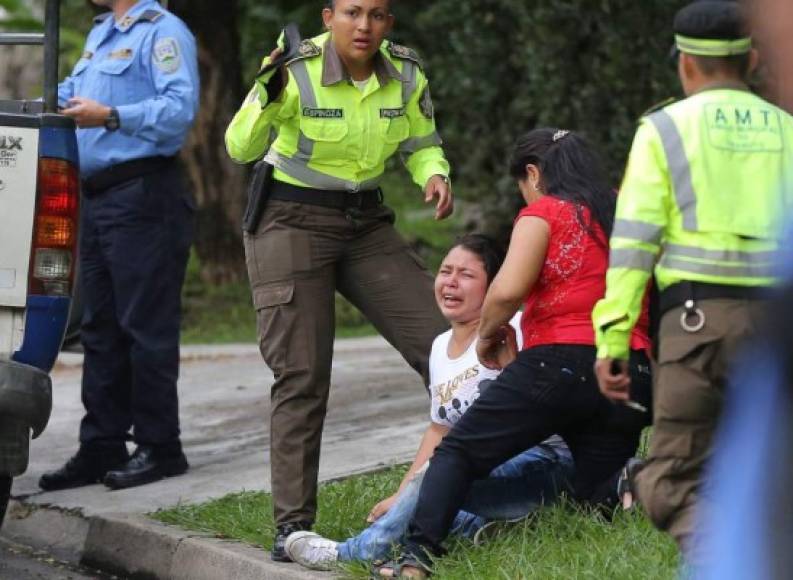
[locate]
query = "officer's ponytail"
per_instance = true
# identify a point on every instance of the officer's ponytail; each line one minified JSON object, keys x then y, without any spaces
{"x":570,"y":169}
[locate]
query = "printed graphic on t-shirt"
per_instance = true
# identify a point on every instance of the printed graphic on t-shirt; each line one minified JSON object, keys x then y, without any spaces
{"x":455,"y":384}
{"x":452,"y":399}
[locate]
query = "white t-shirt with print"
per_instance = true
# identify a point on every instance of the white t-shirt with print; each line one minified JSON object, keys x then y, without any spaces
{"x":455,"y":383}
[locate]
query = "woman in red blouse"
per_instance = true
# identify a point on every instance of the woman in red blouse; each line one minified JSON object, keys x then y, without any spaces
{"x":556,"y":267}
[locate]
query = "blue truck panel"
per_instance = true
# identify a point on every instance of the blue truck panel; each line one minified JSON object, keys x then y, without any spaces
{"x":45,"y":324}
{"x":58,"y":143}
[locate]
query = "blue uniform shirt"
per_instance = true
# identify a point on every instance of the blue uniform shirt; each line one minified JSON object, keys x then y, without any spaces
{"x":144,"y":65}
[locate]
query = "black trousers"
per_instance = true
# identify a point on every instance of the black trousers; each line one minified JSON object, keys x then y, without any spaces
{"x":546,"y":390}
{"x":134,"y":244}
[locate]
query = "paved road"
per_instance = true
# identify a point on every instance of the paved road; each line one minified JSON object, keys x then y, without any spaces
{"x":378,"y":410}
{"x":20,"y":563}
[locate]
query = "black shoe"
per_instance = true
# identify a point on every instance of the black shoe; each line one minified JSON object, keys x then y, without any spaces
{"x":278,"y":553}
{"x":89,"y":465}
{"x":147,"y":464}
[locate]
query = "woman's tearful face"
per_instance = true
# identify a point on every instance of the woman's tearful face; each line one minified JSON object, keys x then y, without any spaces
{"x":461,"y":285}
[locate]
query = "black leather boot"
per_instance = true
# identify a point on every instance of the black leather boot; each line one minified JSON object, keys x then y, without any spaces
{"x":148,"y":464}
{"x":89,"y":465}
{"x":278,"y":553}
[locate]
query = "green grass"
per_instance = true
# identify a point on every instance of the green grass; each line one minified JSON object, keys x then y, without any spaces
{"x":560,"y":542}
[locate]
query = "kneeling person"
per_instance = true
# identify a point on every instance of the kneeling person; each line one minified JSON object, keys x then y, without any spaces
{"x":513,"y":489}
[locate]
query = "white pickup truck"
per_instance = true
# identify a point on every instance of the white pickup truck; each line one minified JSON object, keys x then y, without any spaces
{"x":39,"y":205}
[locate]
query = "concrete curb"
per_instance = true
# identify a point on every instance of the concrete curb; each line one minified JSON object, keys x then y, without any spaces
{"x":137,"y":547}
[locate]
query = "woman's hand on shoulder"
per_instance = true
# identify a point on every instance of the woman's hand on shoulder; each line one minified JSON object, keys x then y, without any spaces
{"x":497,"y":351}
{"x":381,"y":508}
{"x":438,"y":186}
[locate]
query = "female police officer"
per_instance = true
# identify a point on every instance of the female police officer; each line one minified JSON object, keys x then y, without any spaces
{"x":339,"y":107}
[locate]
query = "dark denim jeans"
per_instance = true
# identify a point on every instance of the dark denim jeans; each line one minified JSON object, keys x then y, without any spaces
{"x":546,"y":390}
{"x":513,"y":490}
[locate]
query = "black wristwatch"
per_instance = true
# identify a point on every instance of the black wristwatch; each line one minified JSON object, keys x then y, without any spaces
{"x":113,"y":122}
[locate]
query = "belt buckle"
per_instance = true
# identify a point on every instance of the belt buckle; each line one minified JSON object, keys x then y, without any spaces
{"x":354,"y":200}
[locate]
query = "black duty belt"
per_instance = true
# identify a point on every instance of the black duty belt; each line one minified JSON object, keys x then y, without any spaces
{"x":126,"y":171}
{"x":342,"y":200}
{"x":678,"y":294}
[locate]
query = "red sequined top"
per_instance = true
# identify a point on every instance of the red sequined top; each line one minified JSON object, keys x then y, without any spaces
{"x":558,"y":310}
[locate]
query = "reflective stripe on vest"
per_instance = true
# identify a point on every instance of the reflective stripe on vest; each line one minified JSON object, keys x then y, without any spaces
{"x":637,"y":230}
{"x":413,"y":144}
{"x":298,"y":169}
{"x":722,"y":270}
{"x":633,"y":258}
{"x":409,"y":81}
{"x":679,"y":167}
{"x":305,"y":146}
{"x":730,"y":256}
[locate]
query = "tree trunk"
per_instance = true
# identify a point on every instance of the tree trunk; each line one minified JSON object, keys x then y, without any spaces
{"x":219,"y":184}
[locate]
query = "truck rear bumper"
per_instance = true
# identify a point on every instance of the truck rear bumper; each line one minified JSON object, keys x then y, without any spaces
{"x":25,"y":406}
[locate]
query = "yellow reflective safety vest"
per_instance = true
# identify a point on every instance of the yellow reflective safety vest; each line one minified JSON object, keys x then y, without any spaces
{"x":708,"y":182}
{"x":329,"y":134}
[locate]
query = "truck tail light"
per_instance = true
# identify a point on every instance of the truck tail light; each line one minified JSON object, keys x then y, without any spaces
{"x":53,"y":254}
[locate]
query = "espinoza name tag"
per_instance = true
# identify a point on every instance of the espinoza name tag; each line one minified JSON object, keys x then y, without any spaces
{"x":323,"y":113}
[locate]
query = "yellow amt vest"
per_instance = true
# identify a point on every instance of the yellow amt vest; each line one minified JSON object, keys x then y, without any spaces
{"x":741,"y":146}
{"x":708,"y":184}
{"x":707,"y":187}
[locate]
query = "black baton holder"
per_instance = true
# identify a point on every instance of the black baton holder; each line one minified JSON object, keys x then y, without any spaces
{"x":258,"y":193}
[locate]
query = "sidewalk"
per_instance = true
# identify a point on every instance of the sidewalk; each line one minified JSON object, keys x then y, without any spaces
{"x":377,"y":412}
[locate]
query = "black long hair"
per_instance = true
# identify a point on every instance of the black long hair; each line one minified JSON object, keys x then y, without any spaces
{"x":571,"y":170}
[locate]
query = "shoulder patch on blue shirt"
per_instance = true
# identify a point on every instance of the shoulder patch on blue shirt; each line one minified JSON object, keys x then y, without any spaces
{"x":167,"y":55}
{"x":151,"y":15}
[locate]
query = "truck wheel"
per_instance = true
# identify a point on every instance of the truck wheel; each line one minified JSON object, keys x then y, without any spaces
{"x":5,"y":494}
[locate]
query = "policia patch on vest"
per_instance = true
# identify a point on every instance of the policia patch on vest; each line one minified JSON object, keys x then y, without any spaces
{"x":323,"y":113}
{"x":392,"y":113}
{"x":425,"y":104}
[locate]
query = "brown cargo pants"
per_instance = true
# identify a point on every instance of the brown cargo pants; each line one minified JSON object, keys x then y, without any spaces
{"x":687,"y":400}
{"x":298,"y":257}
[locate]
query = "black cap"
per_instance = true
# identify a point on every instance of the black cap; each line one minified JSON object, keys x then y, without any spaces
{"x":712,"y":28}
{"x":711,"y":19}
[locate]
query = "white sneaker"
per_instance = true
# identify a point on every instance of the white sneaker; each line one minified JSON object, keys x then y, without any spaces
{"x":312,"y":550}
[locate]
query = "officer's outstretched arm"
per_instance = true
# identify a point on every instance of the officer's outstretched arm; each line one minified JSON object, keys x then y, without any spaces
{"x":635,"y":243}
{"x":421,"y":150}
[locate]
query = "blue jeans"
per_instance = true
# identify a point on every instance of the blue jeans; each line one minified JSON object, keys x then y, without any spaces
{"x":513,"y":490}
